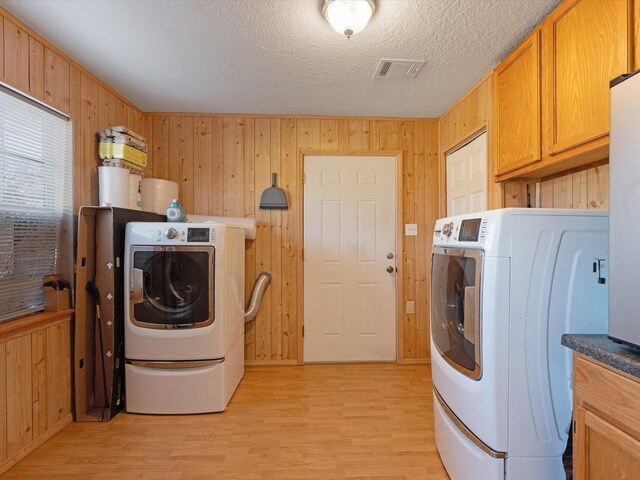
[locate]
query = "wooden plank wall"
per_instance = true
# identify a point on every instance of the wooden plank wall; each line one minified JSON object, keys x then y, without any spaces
{"x":588,"y":189}
{"x":464,"y":120}
{"x":29,"y":63}
{"x":35,"y":388}
{"x":224,"y":162}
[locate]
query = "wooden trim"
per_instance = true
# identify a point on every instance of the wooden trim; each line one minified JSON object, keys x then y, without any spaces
{"x":585,"y":154}
{"x":351,"y":153}
{"x":579,"y":358}
{"x":271,"y":363}
{"x":29,"y":448}
{"x":468,"y":139}
{"x":417,"y":361}
{"x":23,"y":325}
{"x":577,"y":142}
{"x":284,"y":115}
{"x":399,"y":258}
{"x":64,"y":56}
{"x":442,"y":181}
{"x":631,"y":44}
{"x":635,"y":34}
{"x":571,"y":171}
{"x":398,"y":154}
{"x":299,"y":254}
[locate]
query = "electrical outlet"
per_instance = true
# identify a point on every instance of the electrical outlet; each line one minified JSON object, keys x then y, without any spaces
{"x":411,"y":306}
{"x":410,"y":229}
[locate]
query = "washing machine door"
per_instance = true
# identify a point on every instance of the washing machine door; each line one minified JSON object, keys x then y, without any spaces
{"x":172,"y":287}
{"x":455,"y":307}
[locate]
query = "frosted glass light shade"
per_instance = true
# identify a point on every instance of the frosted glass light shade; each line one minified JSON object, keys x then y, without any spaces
{"x":348,"y":17}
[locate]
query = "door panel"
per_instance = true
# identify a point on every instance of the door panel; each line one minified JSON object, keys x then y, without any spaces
{"x":332,"y":301}
{"x":467,"y":178}
{"x":367,"y":306}
{"x":331,"y":231}
{"x":367,"y":231}
{"x":349,"y":229}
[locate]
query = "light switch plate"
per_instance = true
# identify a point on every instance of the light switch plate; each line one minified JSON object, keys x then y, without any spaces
{"x":411,"y":306}
{"x":410,"y":229}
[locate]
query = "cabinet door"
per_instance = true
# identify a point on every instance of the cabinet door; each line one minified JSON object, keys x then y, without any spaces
{"x":517,"y":107}
{"x":586,"y":43}
{"x":602,"y":451}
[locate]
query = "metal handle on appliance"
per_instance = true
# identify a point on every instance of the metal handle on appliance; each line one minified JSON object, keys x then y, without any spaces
{"x":465,"y":430}
{"x":137,"y":285}
{"x":174,"y":364}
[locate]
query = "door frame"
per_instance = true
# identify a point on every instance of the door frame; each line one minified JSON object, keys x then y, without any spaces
{"x":398,"y":154}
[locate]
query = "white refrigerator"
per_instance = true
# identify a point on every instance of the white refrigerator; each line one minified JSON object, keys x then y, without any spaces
{"x":624,"y":210}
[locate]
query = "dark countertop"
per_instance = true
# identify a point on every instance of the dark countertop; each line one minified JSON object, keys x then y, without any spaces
{"x":600,"y":348}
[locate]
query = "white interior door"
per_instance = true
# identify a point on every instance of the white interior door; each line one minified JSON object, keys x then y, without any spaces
{"x":467,"y":178}
{"x":349,"y":235}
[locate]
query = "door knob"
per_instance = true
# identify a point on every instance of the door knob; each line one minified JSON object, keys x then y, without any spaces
{"x":390,"y":255}
{"x":390,"y":269}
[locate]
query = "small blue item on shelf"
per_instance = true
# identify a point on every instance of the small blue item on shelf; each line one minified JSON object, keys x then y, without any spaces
{"x":175,"y":212}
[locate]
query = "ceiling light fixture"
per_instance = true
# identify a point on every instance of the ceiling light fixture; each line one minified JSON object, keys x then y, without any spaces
{"x":348,"y":17}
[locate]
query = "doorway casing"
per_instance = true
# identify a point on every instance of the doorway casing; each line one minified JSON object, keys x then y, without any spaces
{"x":398,"y":154}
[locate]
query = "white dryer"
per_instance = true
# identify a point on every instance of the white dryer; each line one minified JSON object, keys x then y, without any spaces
{"x":505,"y":285}
{"x":184,"y":316}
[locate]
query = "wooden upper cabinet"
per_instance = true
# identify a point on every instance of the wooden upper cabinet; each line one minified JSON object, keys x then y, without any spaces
{"x":517,"y":107}
{"x":586,"y":43}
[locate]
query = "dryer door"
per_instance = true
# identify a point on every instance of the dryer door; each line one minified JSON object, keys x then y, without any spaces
{"x":172,"y":287}
{"x":455,"y":307}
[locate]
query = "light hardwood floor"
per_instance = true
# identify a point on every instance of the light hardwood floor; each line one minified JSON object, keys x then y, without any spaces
{"x":365,"y":421}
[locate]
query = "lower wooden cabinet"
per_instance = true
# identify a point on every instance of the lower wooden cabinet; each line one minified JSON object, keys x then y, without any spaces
{"x":606,"y":443}
{"x":35,"y":383}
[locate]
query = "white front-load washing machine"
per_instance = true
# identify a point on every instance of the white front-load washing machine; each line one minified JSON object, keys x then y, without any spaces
{"x":184,"y":316}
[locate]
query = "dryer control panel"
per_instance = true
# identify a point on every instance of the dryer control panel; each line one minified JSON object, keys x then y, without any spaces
{"x":466,"y":230}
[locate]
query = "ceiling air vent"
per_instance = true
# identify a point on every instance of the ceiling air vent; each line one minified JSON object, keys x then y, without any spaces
{"x":398,"y":68}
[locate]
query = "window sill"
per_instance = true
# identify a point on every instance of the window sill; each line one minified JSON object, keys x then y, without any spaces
{"x":34,"y":321}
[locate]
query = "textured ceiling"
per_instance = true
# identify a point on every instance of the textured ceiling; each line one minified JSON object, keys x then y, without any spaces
{"x":280,"y":56}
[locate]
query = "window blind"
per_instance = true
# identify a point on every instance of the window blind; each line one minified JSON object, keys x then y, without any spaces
{"x":36,"y":201}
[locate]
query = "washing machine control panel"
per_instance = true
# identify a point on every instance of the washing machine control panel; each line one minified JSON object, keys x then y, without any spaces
{"x":198,"y":234}
{"x":172,"y":233}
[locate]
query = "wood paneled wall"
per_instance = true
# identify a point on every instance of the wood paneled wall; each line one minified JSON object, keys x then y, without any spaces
{"x":224,"y":162}
{"x":35,"y":385}
{"x":472,"y":114}
{"x":587,"y":189}
{"x":29,"y":63}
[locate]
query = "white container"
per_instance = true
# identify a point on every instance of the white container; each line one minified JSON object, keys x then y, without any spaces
{"x":114,"y":187}
{"x":157,"y":194}
{"x":135,"y":192}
